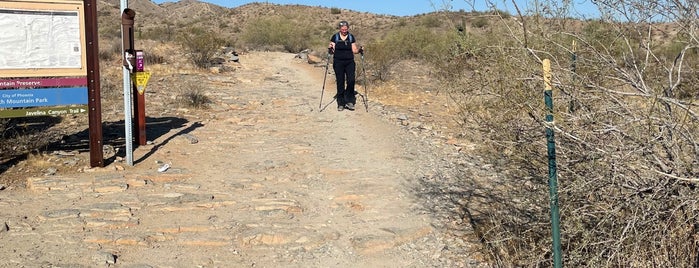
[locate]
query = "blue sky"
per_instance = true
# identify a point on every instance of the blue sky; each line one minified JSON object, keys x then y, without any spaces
{"x":407,"y":8}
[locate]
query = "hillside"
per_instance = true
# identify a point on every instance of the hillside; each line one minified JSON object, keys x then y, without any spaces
{"x":229,"y":22}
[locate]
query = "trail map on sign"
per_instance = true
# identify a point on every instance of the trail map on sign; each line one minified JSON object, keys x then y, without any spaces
{"x":39,"y":39}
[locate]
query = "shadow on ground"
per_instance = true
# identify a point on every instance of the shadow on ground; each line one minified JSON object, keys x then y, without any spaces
{"x":38,"y":136}
{"x":18,"y":136}
{"x":489,"y":208}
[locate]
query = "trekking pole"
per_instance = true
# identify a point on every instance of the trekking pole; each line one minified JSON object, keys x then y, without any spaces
{"x":327,"y":62}
{"x":366,"y":92}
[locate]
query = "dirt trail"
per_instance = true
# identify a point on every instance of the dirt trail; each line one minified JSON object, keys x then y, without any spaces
{"x":271,"y":182}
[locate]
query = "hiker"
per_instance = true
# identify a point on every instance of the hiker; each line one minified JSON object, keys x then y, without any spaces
{"x":344,"y":46}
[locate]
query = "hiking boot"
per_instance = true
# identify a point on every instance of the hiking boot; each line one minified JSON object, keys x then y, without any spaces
{"x":340,"y":108}
{"x":350,"y":106}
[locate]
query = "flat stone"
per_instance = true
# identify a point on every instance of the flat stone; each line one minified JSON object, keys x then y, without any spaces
{"x":115,"y":188}
{"x":268,"y":239}
{"x":136,"y":182}
{"x":107,"y":211}
{"x":61,"y":214}
{"x":287,"y":205}
{"x":110,"y":224}
{"x":103,"y":257}
{"x":130,"y":241}
{"x":373,"y":244}
{"x":183,"y":229}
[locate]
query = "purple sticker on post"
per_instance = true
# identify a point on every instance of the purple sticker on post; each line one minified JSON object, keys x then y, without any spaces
{"x":139,"y":61}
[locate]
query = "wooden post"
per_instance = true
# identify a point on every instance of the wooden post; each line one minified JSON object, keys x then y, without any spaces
{"x":139,"y":102}
{"x":94,"y":102}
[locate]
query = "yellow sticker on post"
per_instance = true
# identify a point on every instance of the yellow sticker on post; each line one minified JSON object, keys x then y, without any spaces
{"x":141,"y":80}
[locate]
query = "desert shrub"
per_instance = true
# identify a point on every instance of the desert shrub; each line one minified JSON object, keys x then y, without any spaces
{"x":165,"y":33}
{"x":418,"y":43}
{"x":335,"y":11}
{"x":380,"y":59}
{"x":3,"y":126}
{"x":193,"y":95}
{"x":113,"y":31}
{"x":153,"y":58}
{"x":111,"y":88}
{"x":110,"y":50}
{"x":502,"y":14}
{"x":431,"y":21}
{"x":200,"y":45}
{"x":626,"y":146}
{"x":479,"y":22}
{"x":603,"y":36}
{"x":19,"y":136}
{"x":195,"y":99}
{"x":291,"y":33}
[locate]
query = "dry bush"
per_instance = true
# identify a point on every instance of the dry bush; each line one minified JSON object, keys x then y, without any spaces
{"x":19,"y":136}
{"x":111,"y":88}
{"x":627,"y":155}
{"x":192,"y":94}
{"x":153,"y":58}
{"x":290,"y":32}
{"x":110,"y":49}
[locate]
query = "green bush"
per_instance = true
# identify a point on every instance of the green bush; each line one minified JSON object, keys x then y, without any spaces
{"x":335,"y":11}
{"x":200,"y":45}
{"x":164,"y":33}
{"x":418,"y":43}
{"x":431,"y":21}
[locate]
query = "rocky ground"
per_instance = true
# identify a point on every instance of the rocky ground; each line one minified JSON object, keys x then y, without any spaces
{"x":262,"y":178}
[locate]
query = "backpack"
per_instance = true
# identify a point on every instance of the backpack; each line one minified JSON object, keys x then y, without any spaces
{"x":337,"y":39}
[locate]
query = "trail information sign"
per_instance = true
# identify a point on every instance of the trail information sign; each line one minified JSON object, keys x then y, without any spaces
{"x":49,"y":62}
{"x":42,"y":37}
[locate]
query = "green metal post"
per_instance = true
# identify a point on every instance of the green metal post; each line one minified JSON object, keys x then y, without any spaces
{"x":553,"y":178}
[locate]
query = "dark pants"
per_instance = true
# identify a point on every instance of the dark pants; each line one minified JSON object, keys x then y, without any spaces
{"x":344,"y":72}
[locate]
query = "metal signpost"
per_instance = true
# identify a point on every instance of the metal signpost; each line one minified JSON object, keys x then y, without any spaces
{"x":553,"y":174}
{"x":135,"y":80}
{"x":127,"y":35}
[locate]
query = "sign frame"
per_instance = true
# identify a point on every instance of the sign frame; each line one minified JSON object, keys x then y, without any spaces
{"x":52,"y":6}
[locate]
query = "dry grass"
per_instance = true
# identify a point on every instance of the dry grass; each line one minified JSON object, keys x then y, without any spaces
{"x":40,"y":161}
